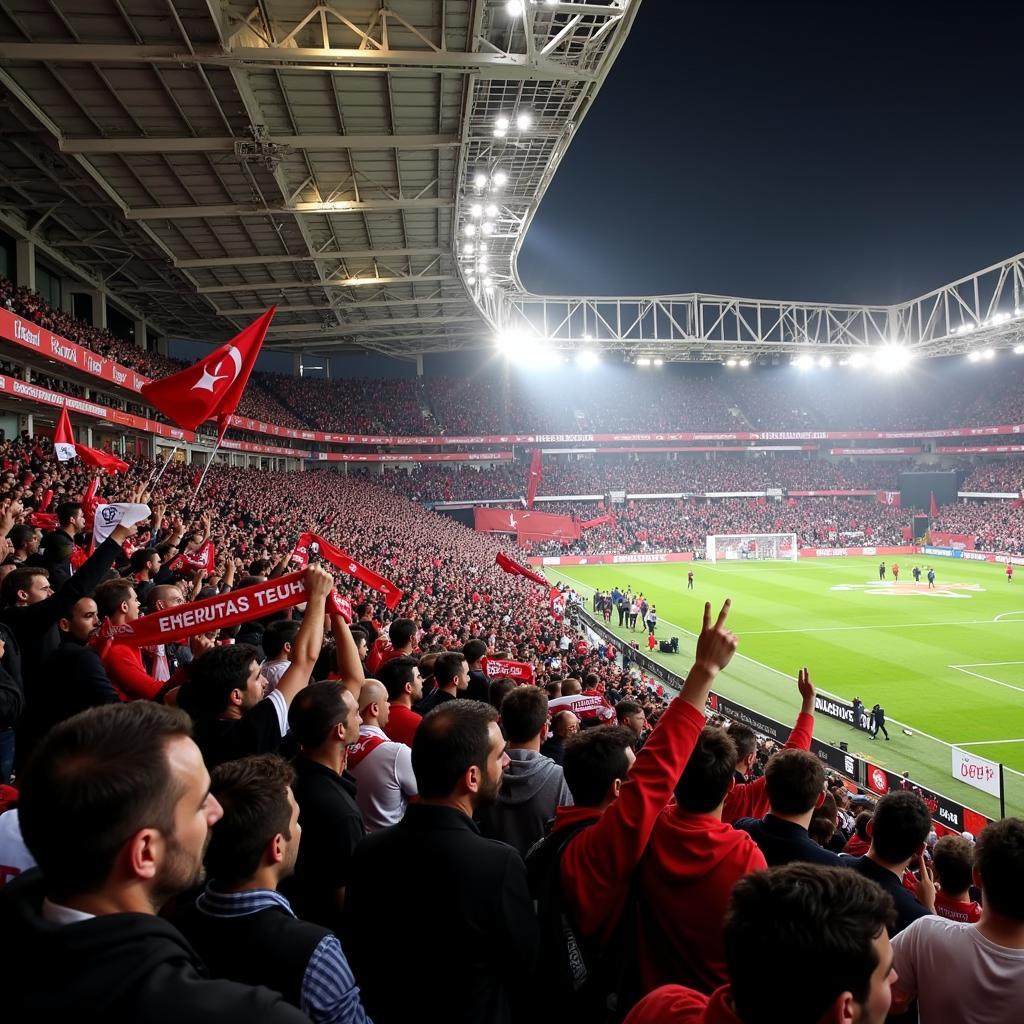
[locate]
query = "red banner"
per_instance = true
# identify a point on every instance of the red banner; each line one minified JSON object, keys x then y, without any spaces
{"x":875,"y":451}
{"x":312,"y":545}
{"x":218,"y":612}
{"x":415,"y":457}
{"x":889,"y":498}
{"x":590,"y":524}
{"x":525,"y":524}
{"x":556,"y":599}
{"x":513,"y":568}
{"x":204,"y":558}
{"x":499,"y":668}
{"x":533,"y":479}
{"x":980,"y":449}
{"x":906,"y":549}
{"x":829,"y":494}
{"x":961,"y":541}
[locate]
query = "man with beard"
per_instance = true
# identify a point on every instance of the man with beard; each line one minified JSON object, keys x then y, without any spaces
{"x":476,"y":906}
{"x":241,"y":926}
{"x":90,"y":912}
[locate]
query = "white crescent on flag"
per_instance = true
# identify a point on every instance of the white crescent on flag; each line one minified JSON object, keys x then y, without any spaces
{"x":207,"y":381}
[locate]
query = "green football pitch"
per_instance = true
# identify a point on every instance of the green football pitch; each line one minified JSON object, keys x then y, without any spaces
{"x":947,"y":665}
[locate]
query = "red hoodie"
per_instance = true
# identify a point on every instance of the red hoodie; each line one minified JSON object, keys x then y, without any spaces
{"x":673,"y":1004}
{"x":687,"y":874}
{"x":751,"y":799}
{"x":598,"y":864}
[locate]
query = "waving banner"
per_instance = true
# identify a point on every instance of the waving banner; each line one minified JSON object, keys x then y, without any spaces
{"x":520,"y":671}
{"x":312,"y":545}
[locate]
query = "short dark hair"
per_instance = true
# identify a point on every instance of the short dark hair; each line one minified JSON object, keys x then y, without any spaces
{"x":277,"y":634}
{"x":744,"y":739}
{"x":254,"y":794}
{"x":395,"y":673}
{"x":21,"y":534}
{"x":900,"y":825}
{"x":357,"y":634}
{"x":497,"y":690}
{"x":111,"y":594}
{"x":708,"y":774}
{"x":450,"y":740}
{"x":401,"y":632}
{"x":214,"y":676}
{"x":315,"y":711}
{"x":523,"y":713}
{"x":66,"y":511}
{"x":593,"y":760}
{"x":474,"y":650}
{"x":860,"y":825}
{"x":627,"y":707}
{"x":1000,"y":860}
{"x":808,"y":929}
{"x":448,"y":666}
{"x":141,"y":558}
{"x":794,"y":780}
{"x":953,"y":859}
{"x":260,"y":567}
{"x":93,"y":781}
{"x":20,"y":579}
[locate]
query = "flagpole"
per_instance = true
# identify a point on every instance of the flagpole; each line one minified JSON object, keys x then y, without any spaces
{"x":209,"y":463}
{"x":167,"y":462}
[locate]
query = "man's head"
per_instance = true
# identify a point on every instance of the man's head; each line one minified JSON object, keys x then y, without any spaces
{"x":596,"y":763}
{"x":999,"y":867}
{"x":474,"y":650}
{"x":816,"y":934}
{"x":402,"y":632}
{"x":260,"y":827}
{"x":794,"y":782}
{"x":571,"y":687}
{"x":163,"y":598}
{"x":745,"y":741}
{"x":116,"y":799}
{"x":145,"y":563}
{"x":224,"y":681}
{"x":116,"y":600}
{"x":25,"y":586}
{"x":524,"y":715}
{"x":82,"y":621}
{"x":565,"y":724}
{"x":359,"y":639}
{"x":631,"y":716}
{"x":70,"y":516}
{"x":459,"y":752}
{"x":401,"y":678}
{"x":899,"y":827}
{"x":953,"y":860}
{"x":708,"y":775}
{"x":451,"y":669}
{"x":373,"y":703}
{"x":24,"y":539}
{"x":278,"y":638}
{"x":497,"y":690}
{"x":324,"y":715}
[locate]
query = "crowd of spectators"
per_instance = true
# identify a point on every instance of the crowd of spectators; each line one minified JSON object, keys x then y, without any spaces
{"x":1005,"y":477}
{"x":995,"y":525}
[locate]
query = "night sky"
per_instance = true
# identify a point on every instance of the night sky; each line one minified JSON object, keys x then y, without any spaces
{"x":822,"y":151}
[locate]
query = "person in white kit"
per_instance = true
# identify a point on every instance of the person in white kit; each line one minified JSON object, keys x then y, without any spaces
{"x":971,"y":973}
{"x":382,"y":768}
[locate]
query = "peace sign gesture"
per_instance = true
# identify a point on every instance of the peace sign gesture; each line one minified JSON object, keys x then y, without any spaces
{"x":715,"y":645}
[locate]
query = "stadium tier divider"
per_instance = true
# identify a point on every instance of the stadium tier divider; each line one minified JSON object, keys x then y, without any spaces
{"x":867,"y":777}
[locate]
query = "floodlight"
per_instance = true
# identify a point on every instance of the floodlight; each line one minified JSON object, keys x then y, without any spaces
{"x":989,"y":353}
{"x":491,"y":210}
{"x":514,"y":8}
{"x":483,"y":247}
{"x":479,"y":180}
{"x":892,"y":358}
{"x":476,"y":211}
{"x":488,"y":227}
{"x":658,"y":362}
{"x":471,"y":280}
{"x":468,"y":249}
{"x":966,"y":328}
{"x":1018,"y":350}
{"x":744,"y":363}
{"x":730,"y":362}
{"x":469,"y":230}
{"x":500,"y":178}
{"x":857,"y":360}
{"x":825,"y":362}
{"x":523,"y":121}
{"x":499,"y":133}
{"x":643,"y":361}
{"x":974,"y":357}
{"x":502,"y":123}
{"x":587,"y":360}
{"x":488,"y":288}
{"x":586,"y":337}
{"x":999,"y":318}
{"x":803,"y":361}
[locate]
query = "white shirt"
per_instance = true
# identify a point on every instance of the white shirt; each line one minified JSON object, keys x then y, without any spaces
{"x":957,"y":974}
{"x":14,"y":855}
{"x":385,"y":781}
{"x":272,"y":672}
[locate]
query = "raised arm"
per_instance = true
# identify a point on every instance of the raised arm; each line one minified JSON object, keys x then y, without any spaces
{"x":350,"y":668}
{"x":310,"y":638}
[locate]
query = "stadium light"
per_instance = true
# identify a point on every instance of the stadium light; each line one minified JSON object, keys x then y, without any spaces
{"x":523,"y":121}
{"x":892,"y":358}
{"x":491,"y":210}
{"x":659,"y":362}
{"x":989,"y":353}
{"x":643,"y":361}
{"x":825,"y":362}
{"x":500,"y":178}
{"x":857,"y":360}
{"x":730,"y":362}
{"x":469,"y":230}
{"x":488,"y":227}
{"x":587,"y":359}
{"x":803,"y":361}
{"x":501,"y":123}
{"x":744,"y":363}
{"x":468,"y":249}
{"x":514,"y":8}
{"x":499,"y":133}
{"x":476,"y":211}
{"x":974,"y":357}
{"x":1018,"y":350}
{"x":479,"y":181}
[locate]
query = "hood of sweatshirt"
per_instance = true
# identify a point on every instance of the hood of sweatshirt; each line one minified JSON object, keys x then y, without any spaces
{"x":689,"y":846}
{"x":528,"y":773}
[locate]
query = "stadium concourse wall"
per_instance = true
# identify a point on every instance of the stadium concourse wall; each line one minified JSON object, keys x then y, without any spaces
{"x":860,"y":774}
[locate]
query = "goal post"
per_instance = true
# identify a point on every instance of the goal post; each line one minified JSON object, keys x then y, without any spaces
{"x":754,"y":547}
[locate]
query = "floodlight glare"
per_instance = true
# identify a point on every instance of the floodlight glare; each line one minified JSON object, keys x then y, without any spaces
{"x":658,"y":362}
{"x":491,"y":210}
{"x":744,"y":363}
{"x":803,"y":361}
{"x":587,"y":360}
{"x":488,"y":227}
{"x":643,"y":361}
{"x":892,"y":358}
{"x":514,"y":8}
{"x":989,"y":353}
{"x":857,"y":360}
{"x":469,"y":230}
{"x":502,"y":122}
{"x":974,"y":357}
{"x":476,"y":211}
{"x":523,"y":121}
{"x":467,"y":249}
{"x":499,"y":133}
{"x":479,"y":180}
{"x":1018,"y":350}
{"x":825,"y":362}
{"x":500,"y":178}
{"x":730,"y":362}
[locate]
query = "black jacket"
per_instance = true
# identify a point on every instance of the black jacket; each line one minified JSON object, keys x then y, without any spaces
{"x":472,"y":910}
{"x":782,"y":842}
{"x":118,"y":968}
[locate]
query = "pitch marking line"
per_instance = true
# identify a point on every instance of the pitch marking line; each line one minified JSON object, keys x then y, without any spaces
{"x":989,"y":679}
{"x":985,"y":743}
{"x":881,"y":625}
{"x":785,"y":675}
{"x":1002,"y":615}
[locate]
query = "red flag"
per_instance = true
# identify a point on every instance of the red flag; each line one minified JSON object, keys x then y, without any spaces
{"x":47,"y":498}
{"x":501,"y":668}
{"x":90,"y":502}
{"x":64,"y":438}
{"x":933,"y":508}
{"x":214,"y":385}
{"x":101,"y":460}
{"x":557,"y":600}
{"x":506,"y":563}
{"x":599,"y":521}
{"x":43,"y":520}
{"x":201,"y":559}
{"x":533,"y":480}
{"x":312,"y":545}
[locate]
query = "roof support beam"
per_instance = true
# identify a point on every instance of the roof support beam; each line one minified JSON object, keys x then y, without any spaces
{"x":341,"y":282}
{"x":347,"y":330}
{"x":329,"y":256}
{"x":226,"y":143}
{"x":437,"y":300}
{"x":311,"y":208}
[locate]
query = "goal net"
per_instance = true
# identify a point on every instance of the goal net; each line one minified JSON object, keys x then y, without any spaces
{"x":761,"y":547}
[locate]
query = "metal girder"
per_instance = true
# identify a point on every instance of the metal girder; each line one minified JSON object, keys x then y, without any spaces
{"x":227,"y":143}
{"x":500,"y":66}
{"x":254,"y":210}
{"x":330,"y":256}
{"x":346,"y":330}
{"x":437,"y":300}
{"x":341,"y":282}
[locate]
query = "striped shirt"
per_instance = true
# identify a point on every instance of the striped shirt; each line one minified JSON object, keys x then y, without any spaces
{"x":329,"y":991}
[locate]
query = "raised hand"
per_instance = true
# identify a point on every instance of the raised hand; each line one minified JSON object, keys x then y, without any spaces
{"x":716,"y":645}
{"x":807,"y":690}
{"x":925,"y":884}
{"x":319,"y":583}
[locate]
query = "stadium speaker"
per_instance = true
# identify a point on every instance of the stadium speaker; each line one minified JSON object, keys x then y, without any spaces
{"x":675,"y":645}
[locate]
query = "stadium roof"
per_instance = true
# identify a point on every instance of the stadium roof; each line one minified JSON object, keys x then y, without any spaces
{"x":350,"y":162}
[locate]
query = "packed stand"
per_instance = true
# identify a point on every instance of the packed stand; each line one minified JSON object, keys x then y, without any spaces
{"x":995,"y":525}
{"x":1000,"y":477}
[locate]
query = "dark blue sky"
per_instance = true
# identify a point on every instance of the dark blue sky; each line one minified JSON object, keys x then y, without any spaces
{"x":832,"y":151}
